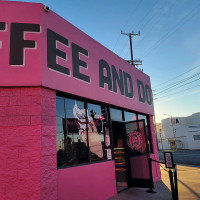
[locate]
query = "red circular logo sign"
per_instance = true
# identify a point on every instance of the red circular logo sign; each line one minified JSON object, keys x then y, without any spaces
{"x":135,"y":140}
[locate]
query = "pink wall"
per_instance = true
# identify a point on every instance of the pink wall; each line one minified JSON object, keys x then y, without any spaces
{"x":36,"y":72}
{"x":155,"y":166}
{"x":48,"y":170}
{"x":20,"y":143}
{"x":28,"y":167}
{"x":94,"y":181}
{"x":28,"y":160}
{"x":31,"y":73}
{"x":96,"y":52}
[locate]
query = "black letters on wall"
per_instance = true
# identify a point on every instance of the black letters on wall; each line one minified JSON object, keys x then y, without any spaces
{"x":127,"y":78}
{"x":148,"y":94}
{"x":118,"y":80}
{"x":2,"y":26}
{"x":141,"y":91}
{"x":110,"y":76}
{"x":53,"y":52}
{"x":77,"y":63}
{"x":144,"y":93}
{"x":17,"y":42}
{"x":103,"y":65}
{"x":123,"y":80}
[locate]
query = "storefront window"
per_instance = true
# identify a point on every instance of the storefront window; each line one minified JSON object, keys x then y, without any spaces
{"x":136,"y":141}
{"x":80,"y":132}
{"x":96,"y":132}
{"x":196,"y":137}
{"x":72,"y":147}
{"x":130,"y":116}
{"x":143,"y":117}
{"x":60,"y":114}
{"x":115,"y":114}
{"x":147,"y":128}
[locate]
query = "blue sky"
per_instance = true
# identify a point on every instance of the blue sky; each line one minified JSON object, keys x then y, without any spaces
{"x":169,"y":45}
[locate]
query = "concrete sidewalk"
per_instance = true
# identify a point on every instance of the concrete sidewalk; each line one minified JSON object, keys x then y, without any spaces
{"x":188,"y":187}
{"x":188,"y":182}
{"x":162,"y":193}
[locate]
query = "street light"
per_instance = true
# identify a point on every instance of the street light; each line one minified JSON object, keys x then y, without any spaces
{"x":174,"y":132}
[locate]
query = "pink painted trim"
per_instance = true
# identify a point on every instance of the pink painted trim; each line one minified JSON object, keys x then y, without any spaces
{"x":94,"y":181}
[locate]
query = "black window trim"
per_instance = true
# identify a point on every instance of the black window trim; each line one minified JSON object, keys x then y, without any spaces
{"x":86,"y":101}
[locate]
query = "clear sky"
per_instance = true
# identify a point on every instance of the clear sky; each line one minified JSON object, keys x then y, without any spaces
{"x":169,"y":45}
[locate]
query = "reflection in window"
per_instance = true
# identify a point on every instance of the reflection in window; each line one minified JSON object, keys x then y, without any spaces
{"x":143,"y":117}
{"x":74,"y":126}
{"x":135,"y":138}
{"x":96,"y":132}
{"x":115,"y":114}
{"x":130,"y":116}
{"x":72,"y":146}
{"x":147,"y":128}
{"x":196,"y":137}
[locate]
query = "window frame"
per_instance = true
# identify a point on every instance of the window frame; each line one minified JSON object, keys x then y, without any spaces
{"x":196,"y":136}
{"x":86,"y":102}
{"x":108,"y":124}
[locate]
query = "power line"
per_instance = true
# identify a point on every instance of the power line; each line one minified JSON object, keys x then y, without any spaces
{"x":180,"y":86}
{"x":125,"y":44}
{"x":167,"y":92}
{"x":172,"y":79}
{"x":151,"y":29}
{"x":136,"y":9}
{"x":140,"y":23}
{"x":177,"y":92}
{"x":132,"y":14}
{"x":171,"y":32}
{"x":126,"y":54}
{"x":153,"y":16}
{"x":146,"y":15}
{"x":116,"y":42}
{"x":176,"y":84}
{"x":179,"y":82}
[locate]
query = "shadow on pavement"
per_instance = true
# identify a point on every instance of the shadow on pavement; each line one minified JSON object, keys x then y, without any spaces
{"x":162,"y":193}
{"x":191,"y":190}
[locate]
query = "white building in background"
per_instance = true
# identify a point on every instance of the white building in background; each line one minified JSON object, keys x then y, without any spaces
{"x":179,"y":132}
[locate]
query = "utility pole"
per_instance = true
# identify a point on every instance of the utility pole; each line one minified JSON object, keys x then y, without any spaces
{"x":130,"y":37}
{"x":173,"y":130}
{"x":161,"y":138}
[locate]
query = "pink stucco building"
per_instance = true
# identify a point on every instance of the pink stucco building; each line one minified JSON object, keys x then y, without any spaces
{"x":76,"y":120}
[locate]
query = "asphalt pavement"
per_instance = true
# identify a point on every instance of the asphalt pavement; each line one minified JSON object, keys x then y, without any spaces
{"x":185,"y":157}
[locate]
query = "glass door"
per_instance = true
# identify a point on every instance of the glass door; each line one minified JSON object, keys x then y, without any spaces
{"x":136,"y":152}
{"x":119,"y":155}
